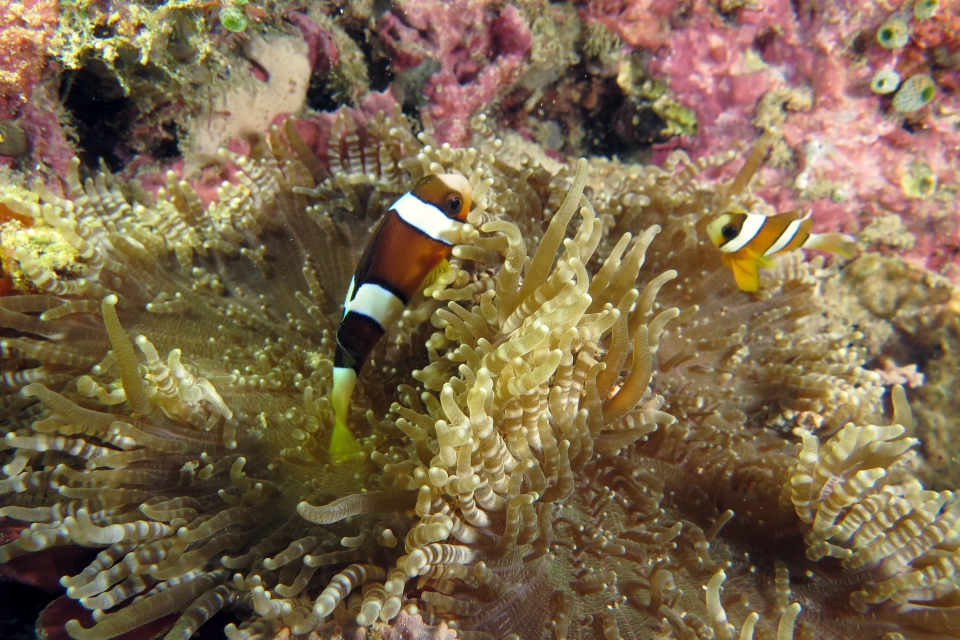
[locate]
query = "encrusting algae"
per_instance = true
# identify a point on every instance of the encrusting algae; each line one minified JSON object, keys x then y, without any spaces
{"x":573,"y":433}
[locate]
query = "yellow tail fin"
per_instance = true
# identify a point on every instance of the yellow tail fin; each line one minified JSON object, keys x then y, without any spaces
{"x":838,"y":243}
{"x":343,"y":446}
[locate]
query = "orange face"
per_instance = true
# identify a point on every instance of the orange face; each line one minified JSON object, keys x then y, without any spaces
{"x":449,"y":192}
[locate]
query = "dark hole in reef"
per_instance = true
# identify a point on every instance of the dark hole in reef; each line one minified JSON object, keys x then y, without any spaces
{"x":763,"y":40}
{"x":380,"y":73}
{"x":378,"y":62}
{"x":598,"y":122}
{"x":100,"y":112}
{"x":103,"y":31}
{"x":318,"y":97}
{"x":909,"y":127}
{"x":641,"y":125}
{"x":594,"y":115}
{"x":168,"y":146}
{"x":467,"y":72}
{"x":411,"y":110}
{"x":619,"y":125}
{"x":860,"y":43}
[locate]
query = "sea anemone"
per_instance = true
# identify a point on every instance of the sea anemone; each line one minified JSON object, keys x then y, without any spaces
{"x":591,"y":432}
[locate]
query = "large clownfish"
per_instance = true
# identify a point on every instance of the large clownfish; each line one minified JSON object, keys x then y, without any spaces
{"x":747,"y":241}
{"x":411,"y":243}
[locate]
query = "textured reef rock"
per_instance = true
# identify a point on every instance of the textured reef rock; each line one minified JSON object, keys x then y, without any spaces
{"x":584,"y":429}
{"x":470,"y":52}
{"x":25,"y":28}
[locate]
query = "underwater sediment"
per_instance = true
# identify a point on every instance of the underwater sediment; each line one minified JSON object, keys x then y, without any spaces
{"x":583,"y":430}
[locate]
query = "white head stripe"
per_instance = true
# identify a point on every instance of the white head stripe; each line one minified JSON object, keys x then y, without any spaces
{"x":375,"y":302}
{"x":751,"y":227}
{"x":427,"y":218}
{"x":785,"y":238}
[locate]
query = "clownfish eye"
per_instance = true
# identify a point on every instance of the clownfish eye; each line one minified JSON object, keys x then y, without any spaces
{"x":729,"y":232}
{"x":454,"y":204}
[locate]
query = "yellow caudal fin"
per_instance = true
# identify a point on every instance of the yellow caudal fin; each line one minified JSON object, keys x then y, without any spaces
{"x":343,"y":446}
{"x":746,"y":273}
{"x":838,"y":243}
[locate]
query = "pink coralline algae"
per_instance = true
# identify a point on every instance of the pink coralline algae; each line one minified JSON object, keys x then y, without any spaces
{"x":48,"y":146}
{"x":322,"y":51}
{"x":25,"y":27}
{"x":480,"y":54}
{"x":806,"y":72}
{"x":640,"y":23}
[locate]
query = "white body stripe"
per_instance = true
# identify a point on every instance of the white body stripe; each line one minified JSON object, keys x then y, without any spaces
{"x":427,"y":218}
{"x":346,"y":301}
{"x":376,"y":302}
{"x":785,"y":238}
{"x":751,"y":227}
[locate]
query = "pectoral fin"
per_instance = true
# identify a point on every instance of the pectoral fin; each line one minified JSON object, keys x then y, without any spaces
{"x":435,"y":274}
{"x":764,"y":262}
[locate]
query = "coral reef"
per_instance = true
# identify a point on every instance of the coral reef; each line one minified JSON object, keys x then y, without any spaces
{"x":474,"y":53}
{"x":584,"y":428}
{"x":246,"y":107}
{"x":25,"y":29}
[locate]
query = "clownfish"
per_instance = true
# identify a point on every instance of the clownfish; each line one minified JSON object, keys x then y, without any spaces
{"x":747,"y":241}
{"x":409,"y":246}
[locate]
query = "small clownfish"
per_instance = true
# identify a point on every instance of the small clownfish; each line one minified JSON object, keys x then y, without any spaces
{"x":409,"y":248}
{"x":747,"y":241}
